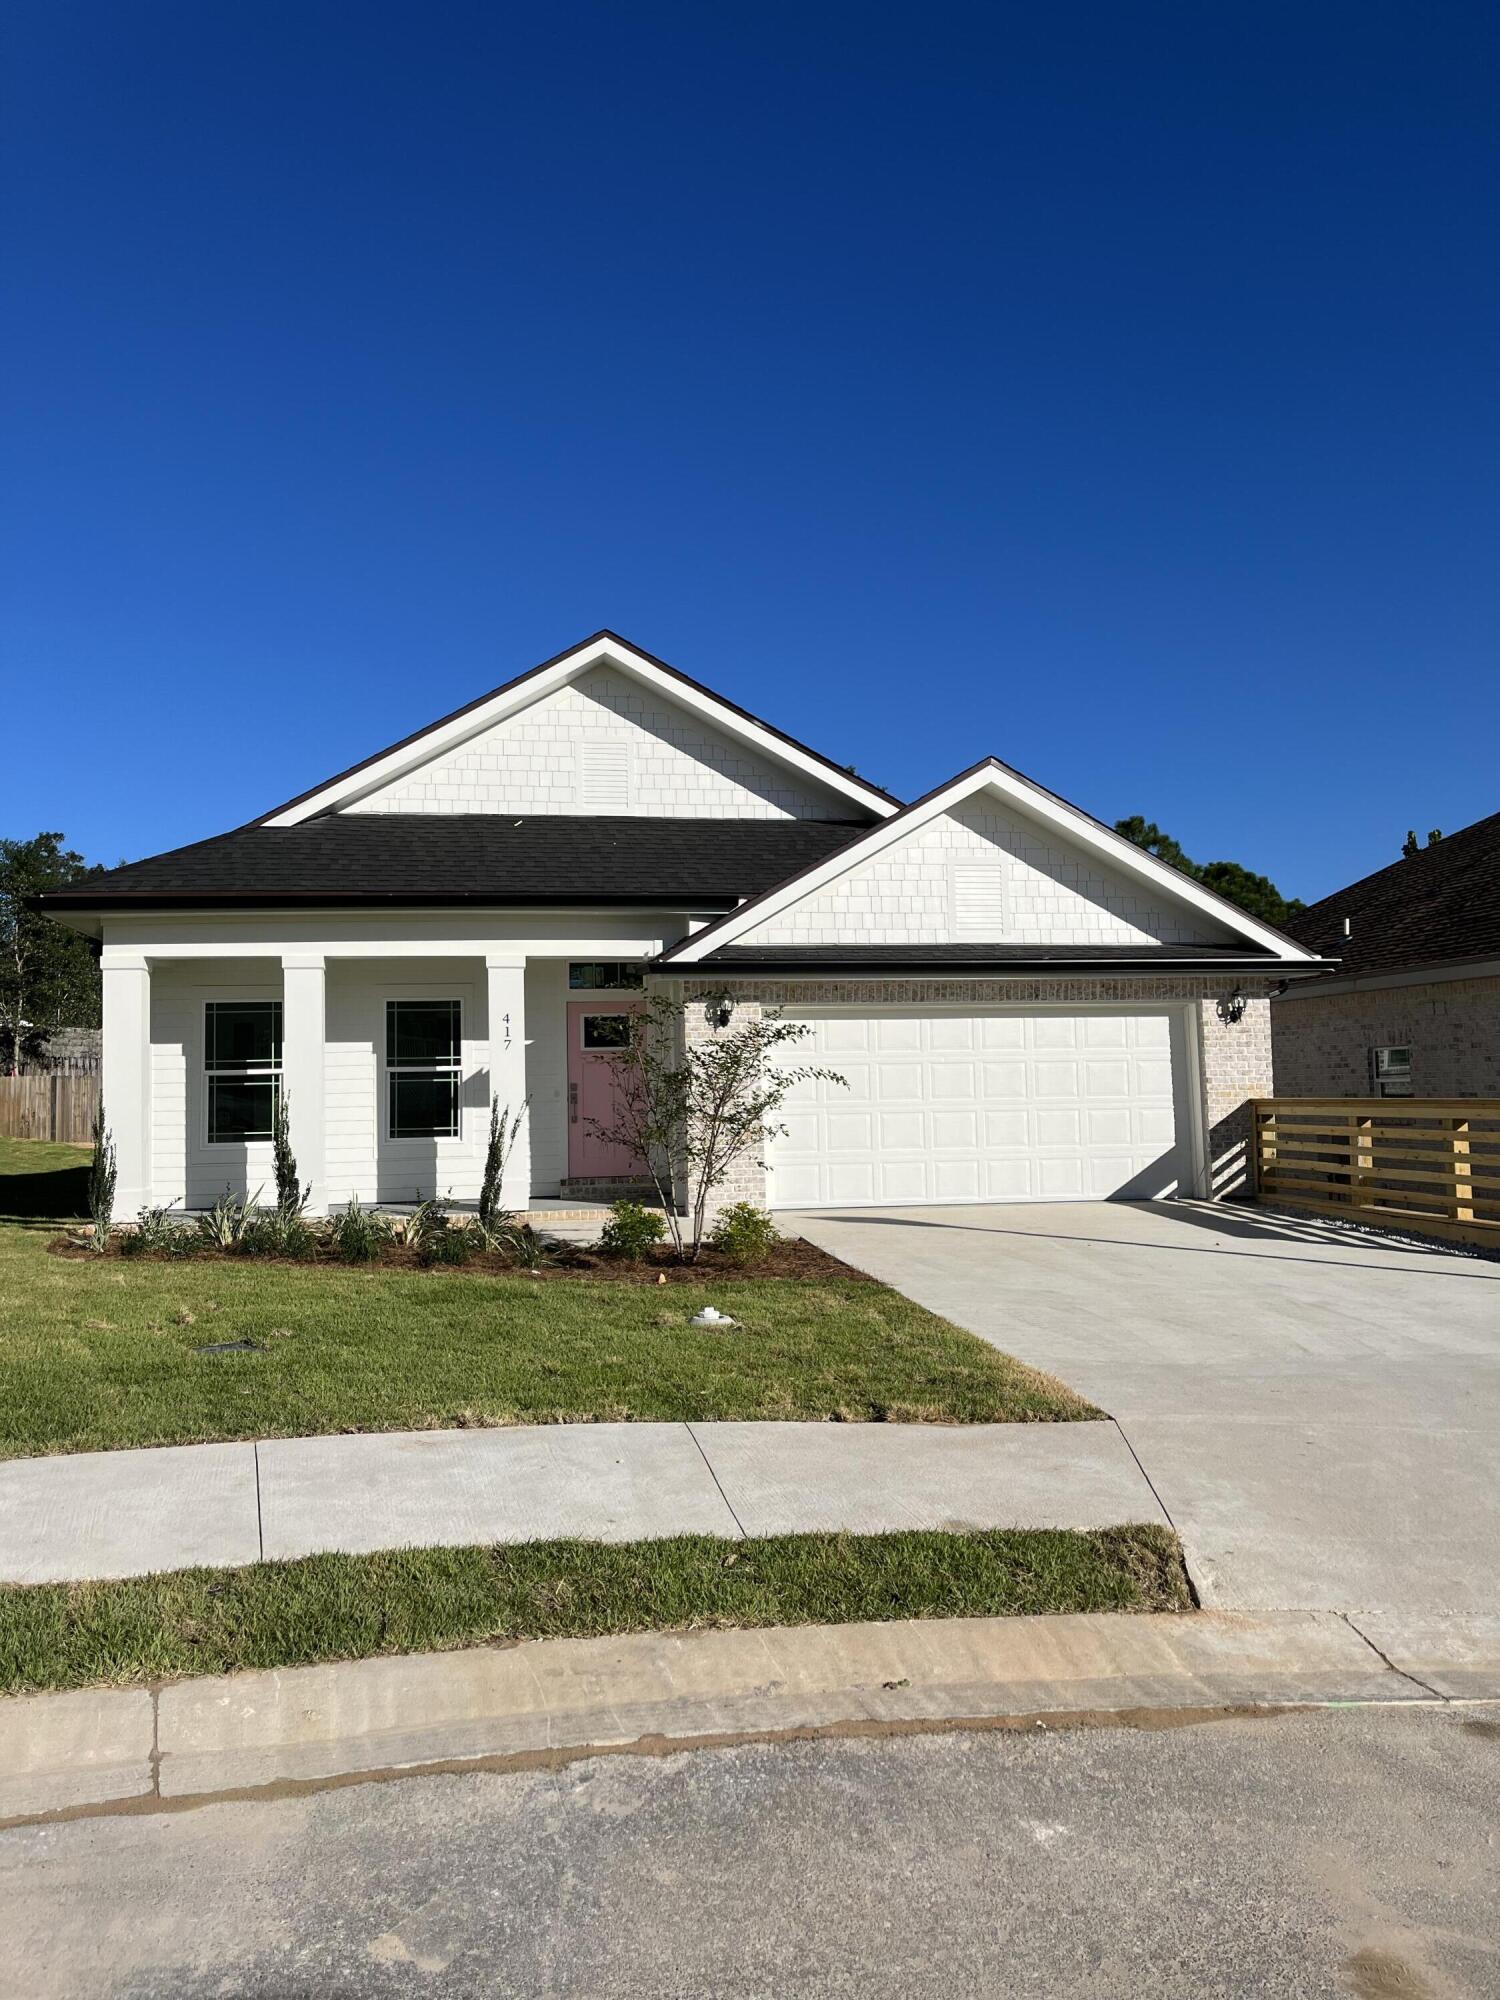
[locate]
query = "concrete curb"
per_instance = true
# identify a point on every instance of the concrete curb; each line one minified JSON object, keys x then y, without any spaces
{"x":72,"y":1754}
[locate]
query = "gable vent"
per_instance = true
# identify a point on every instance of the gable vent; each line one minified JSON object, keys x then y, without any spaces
{"x":604,"y":777}
{"x":976,"y":898}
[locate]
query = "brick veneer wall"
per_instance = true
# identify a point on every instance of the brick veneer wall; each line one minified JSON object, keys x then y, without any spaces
{"x":1451,"y":1026}
{"x":1236,"y":1056}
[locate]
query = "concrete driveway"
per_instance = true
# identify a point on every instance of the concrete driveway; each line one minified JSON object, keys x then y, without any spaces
{"x":1318,"y":1410}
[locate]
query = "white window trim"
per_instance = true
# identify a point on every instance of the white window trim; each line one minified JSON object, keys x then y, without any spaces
{"x":388,"y":1069}
{"x":271,"y":1071}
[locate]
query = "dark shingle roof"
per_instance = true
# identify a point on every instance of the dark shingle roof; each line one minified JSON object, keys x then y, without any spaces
{"x":453,"y":858}
{"x":977,"y":957}
{"x":1439,"y":907}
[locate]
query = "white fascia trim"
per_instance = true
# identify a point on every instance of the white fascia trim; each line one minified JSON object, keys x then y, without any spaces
{"x":444,"y":736}
{"x":1018,"y":791}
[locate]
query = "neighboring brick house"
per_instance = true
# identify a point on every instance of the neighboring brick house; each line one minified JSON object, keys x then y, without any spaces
{"x":1413,"y":1008}
{"x":1023,"y":1005}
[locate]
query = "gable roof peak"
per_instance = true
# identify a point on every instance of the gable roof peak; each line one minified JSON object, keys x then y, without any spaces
{"x":601,"y":648}
{"x":1023,"y":793}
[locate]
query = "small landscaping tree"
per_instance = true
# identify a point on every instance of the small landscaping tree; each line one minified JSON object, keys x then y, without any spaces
{"x":290,"y":1198}
{"x":502,"y":1139}
{"x":102,"y":1175}
{"x":693,"y":1111}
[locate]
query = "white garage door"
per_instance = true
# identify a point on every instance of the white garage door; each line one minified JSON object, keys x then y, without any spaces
{"x":978,"y":1107}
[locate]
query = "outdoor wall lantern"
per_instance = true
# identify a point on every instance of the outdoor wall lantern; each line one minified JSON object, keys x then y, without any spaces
{"x":1232,"y":1007}
{"x":720,"y":1011}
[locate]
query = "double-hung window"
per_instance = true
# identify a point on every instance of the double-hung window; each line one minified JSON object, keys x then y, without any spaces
{"x":423,"y":1061}
{"x":242,"y":1061}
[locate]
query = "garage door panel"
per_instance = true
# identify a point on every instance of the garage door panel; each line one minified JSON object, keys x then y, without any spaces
{"x":1054,"y":1032}
{"x":899,"y":1083}
{"x":847,"y":1036}
{"x":1002,"y":1031}
{"x":1154,"y":1127}
{"x":954,"y":1131}
{"x":850,"y":1131}
{"x":803,"y":1134}
{"x":1009,"y":1180}
{"x":957,"y":1180}
{"x":1108,"y":1125}
{"x":946,"y":1107}
{"x":1002,"y":1080}
{"x":1106,"y":1031}
{"x":1009,"y":1128}
{"x":1055,"y":1079}
{"x":905,"y":1181}
{"x":1061,"y":1179}
{"x":850,"y":1182}
{"x":1106,"y":1079}
{"x":903,"y":1131}
{"x":896,"y":1033}
{"x":1057,"y":1125}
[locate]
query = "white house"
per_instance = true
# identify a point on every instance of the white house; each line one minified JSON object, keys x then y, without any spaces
{"x":1022,"y":1005}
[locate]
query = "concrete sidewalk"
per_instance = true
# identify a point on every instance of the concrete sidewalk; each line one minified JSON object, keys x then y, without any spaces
{"x":128,"y":1513}
{"x":241,"y":1733}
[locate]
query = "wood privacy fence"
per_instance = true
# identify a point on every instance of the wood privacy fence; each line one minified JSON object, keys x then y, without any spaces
{"x":1426,"y":1163}
{"x":48,"y":1106}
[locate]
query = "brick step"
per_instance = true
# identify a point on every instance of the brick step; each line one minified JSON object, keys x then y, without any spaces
{"x":606,"y":1190}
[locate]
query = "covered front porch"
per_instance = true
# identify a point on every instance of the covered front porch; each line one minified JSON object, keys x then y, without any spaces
{"x":388,"y":1049}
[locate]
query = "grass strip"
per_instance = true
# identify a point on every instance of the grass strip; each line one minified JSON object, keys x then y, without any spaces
{"x":334,"y":1607}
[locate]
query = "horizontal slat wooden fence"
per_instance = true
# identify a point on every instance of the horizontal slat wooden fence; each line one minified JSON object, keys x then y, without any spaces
{"x":1430,"y":1164}
{"x":48,"y":1106}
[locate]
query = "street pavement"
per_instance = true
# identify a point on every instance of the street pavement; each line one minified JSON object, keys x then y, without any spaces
{"x":1333,"y":1852}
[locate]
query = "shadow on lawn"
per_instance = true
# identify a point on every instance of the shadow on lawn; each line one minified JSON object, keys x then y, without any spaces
{"x":60,"y":1194}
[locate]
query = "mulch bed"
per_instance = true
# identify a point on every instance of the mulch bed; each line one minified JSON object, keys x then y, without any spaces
{"x":792,"y":1258}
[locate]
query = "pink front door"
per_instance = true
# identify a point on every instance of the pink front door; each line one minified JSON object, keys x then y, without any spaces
{"x":597,"y":1032}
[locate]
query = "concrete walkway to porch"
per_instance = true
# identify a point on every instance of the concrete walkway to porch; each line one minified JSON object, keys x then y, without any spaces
{"x":128,"y":1513}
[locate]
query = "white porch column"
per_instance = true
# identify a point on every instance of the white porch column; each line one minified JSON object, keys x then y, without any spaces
{"x":126,"y":1074}
{"x":303,"y":1039}
{"x":506,"y":979}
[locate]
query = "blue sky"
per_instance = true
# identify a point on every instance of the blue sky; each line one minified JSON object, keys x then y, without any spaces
{"x":1110,"y":388}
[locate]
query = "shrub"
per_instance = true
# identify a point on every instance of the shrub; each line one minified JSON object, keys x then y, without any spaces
{"x":223,"y":1226}
{"x":269,"y":1233}
{"x":744,"y":1233}
{"x":157,"y":1234}
{"x":359,"y":1234}
{"x":631,"y":1230}
{"x":435,"y":1240}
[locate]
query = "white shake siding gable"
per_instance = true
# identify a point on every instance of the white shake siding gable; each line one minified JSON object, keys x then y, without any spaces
{"x":930,"y":888}
{"x":607,"y":744}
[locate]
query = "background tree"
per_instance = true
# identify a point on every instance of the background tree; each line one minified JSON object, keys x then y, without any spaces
{"x":49,"y":977}
{"x":1256,"y":894}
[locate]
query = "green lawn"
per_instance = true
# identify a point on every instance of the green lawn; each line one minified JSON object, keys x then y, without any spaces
{"x":96,"y":1353}
{"x":205,"y":1621}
